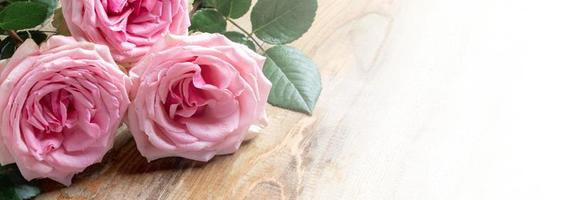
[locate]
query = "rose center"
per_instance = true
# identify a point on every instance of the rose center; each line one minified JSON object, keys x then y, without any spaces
{"x":135,"y":9}
{"x":56,"y":107}
{"x":185,"y":100}
{"x":49,"y":115}
{"x":116,"y":7}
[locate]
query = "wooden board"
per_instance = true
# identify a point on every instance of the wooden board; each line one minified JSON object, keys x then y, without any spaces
{"x":421,"y":100}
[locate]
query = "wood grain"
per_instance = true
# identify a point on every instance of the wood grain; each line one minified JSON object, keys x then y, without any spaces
{"x":415,"y":106}
{"x":292,"y":156}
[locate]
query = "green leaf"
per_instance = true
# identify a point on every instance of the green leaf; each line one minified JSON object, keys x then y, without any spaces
{"x":232,"y":8}
{"x":13,"y":186}
{"x":208,"y":3}
{"x":282,"y":21}
{"x":26,"y":191}
{"x":240,"y":38}
{"x":23,"y":15}
{"x":296,"y":80}
{"x":8,"y":193}
{"x":208,"y":20}
{"x":8,"y":45}
{"x":10,"y":176}
{"x":51,"y":4}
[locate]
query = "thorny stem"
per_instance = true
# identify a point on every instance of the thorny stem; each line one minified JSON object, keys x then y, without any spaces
{"x":16,"y":37}
{"x":246,"y":33}
{"x":196,"y":6}
{"x":198,"y":3}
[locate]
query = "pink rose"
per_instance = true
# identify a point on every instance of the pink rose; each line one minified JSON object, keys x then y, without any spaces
{"x":196,"y":97}
{"x":128,"y":27}
{"x":60,"y":107}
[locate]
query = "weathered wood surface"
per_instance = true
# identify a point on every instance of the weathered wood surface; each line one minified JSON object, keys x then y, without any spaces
{"x":421,"y":100}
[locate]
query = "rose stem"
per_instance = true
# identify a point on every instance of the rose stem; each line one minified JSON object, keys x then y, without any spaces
{"x":196,"y":6}
{"x":246,"y":33}
{"x":198,"y":3}
{"x":16,"y":37}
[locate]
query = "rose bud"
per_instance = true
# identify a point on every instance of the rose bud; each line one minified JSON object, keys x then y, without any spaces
{"x":60,"y":107}
{"x":128,"y":27}
{"x":196,"y":97}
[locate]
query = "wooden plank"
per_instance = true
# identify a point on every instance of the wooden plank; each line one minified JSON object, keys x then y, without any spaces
{"x":421,"y":100}
{"x":289,"y":156}
{"x":297,"y":155}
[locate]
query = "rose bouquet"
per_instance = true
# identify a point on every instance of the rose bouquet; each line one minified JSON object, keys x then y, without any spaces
{"x":184,"y":84}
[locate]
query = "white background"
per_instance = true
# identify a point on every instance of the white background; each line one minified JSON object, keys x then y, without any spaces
{"x":471,"y":102}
